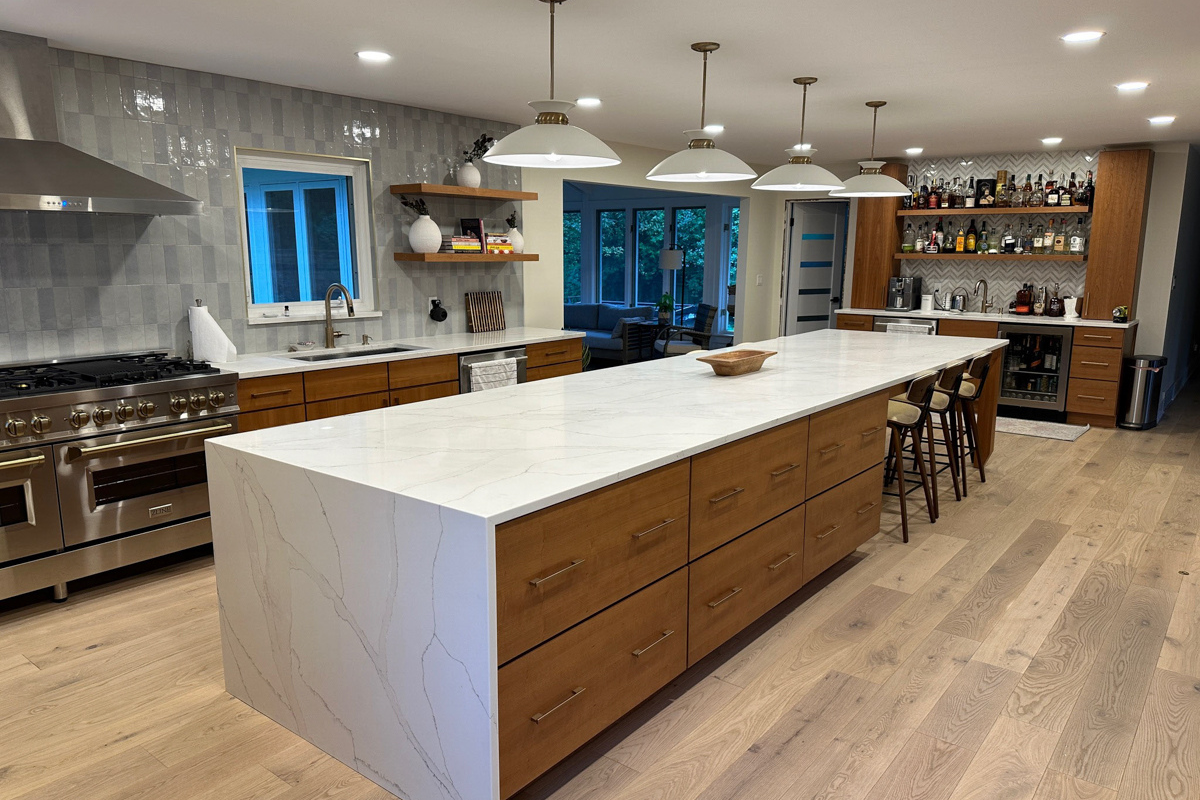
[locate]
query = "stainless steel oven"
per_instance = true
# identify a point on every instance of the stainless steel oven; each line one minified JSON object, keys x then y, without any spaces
{"x":29,"y":523}
{"x":130,"y":481}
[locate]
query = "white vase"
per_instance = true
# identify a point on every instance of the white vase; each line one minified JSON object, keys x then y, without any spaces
{"x":518,"y":241}
{"x":424,"y":236}
{"x":468,"y":176}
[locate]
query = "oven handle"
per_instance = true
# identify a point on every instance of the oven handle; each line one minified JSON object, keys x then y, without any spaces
{"x":76,"y":451}
{"x":23,"y":461}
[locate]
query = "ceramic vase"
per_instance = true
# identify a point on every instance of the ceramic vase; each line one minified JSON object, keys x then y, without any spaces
{"x":424,"y":236}
{"x":1071,"y":306}
{"x":518,"y":241}
{"x":468,"y":176}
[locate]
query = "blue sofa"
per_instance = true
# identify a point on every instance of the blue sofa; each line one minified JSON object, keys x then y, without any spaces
{"x":603,"y":336}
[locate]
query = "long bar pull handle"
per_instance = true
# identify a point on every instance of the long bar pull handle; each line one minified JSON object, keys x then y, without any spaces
{"x":567,"y":568}
{"x":828,"y":532}
{"x":641,"y":650}
{"x":873,"y":431}
{"x":1095,"y":363}
{"x":75,"y":451}
{"x":23,"y":461}
{"x":784,"y":470}
{"x":1105,"y":337}
{"x":657,"y":527}
{"x":272,"y":393}
{"x":1090,"y":397}
{"x":735,"y":590}
{"x":726,"y":496}
{"x":868,"y":507}
{"x":781,"y":561}
{"x":556,"y":352}
{"x":578,"y":690}
{"x":831,"y":448}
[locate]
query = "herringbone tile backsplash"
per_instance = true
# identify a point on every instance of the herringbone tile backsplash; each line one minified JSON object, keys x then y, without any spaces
{"x":1004,"y":278}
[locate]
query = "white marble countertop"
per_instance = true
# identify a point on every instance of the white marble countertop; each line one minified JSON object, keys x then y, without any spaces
{"x":260,"y":365}
{"x":1018,"y":319}
{"x":506,"y":452}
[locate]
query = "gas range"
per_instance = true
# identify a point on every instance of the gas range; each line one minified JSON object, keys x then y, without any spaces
{"x":50,"y":402}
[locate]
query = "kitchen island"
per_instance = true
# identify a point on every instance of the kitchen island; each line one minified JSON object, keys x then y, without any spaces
{"x":451,"y":596}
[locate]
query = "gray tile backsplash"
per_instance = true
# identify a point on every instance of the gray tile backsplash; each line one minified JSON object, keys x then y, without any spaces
{"x":77,"y":284}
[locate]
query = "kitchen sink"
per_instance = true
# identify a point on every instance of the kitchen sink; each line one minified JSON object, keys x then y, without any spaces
{"x":336,"y":355}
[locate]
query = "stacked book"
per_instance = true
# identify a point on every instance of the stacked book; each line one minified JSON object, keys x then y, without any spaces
{"x":460,"y":244}
{"x":499,"y":243}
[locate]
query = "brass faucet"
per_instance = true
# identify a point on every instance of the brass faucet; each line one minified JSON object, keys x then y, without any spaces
{"x":984,"y":305}
{"x":330,"y":333}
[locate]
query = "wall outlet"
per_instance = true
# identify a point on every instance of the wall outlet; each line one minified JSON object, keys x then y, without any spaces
{"x":758,"y":280}
{"x":429,"y":303}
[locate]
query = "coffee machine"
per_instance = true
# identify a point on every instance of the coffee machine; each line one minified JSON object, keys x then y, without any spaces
{"x":904,"y":294}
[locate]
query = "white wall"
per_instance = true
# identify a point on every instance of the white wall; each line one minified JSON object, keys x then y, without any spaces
{"x":1158,"y":251}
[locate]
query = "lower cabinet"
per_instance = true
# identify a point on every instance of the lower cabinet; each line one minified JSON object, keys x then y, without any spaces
{"x":346,"y":405}
{"x":553,"y":371}
{"x":841,"y":519}
{"x":416,"y":394}
{"x":855,"y":322}
{"x":557,"y":697}
{"x":270,"y":418}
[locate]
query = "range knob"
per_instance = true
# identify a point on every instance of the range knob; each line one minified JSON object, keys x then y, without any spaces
{"x":146,"y":408}
{"x":124,"y":412}
{"x":79,"y":418}
{"x":16,"y":427}
{"x":215,"y":399}
{"x":179,"y":404}
{"x":40,"y":424}
{"x":199,"y":401}
{"x":102,"y":415}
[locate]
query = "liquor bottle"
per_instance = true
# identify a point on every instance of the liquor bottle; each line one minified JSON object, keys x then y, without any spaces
{"x":984,"y":243}
{"x":1008,"y":241}
{"x":1022,"y":244}
{"x":1038,"y":198}
{"x":972,"y":238}
{"x":960,"y":198}
{"x":1015,"y":200}
{"x":1048,"y":238}
{"x":1028,"y":187}
{"x":907,"y":203}
{"x":1037,"y":358}
{"x":1002,"y":198}
{"x":970,"y":198}
{"x":922,"y":240}
{"x":1052,"y":191}
{"x":1060,"y":239}
{"x":923,"y":197}
{"x":939,"y":233}
{"x":943,"y":194}
{"x":960,"y":240}
{"x":1039,"y":237}
{"x":1068,"y":197}
{"x":1084,"y":196}
{"x":909,"y":243}
{"x":934,"y":199}
{"x":1077,"y":239}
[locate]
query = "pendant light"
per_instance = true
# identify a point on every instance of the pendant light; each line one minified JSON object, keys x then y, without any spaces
{"x":870,"y":181}
{"x":701,"y":162}
{"x":551,"y":142}
{"x":799,"y":174}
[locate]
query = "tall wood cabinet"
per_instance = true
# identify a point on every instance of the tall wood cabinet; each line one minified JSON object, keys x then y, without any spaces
{"x":876,"y":242}
{"x":1118,"y":229}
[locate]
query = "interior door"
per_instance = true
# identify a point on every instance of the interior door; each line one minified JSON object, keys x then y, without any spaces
{"x":815,"y":264}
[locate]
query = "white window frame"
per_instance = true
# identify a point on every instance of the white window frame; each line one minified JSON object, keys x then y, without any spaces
{"x":359,"y":170}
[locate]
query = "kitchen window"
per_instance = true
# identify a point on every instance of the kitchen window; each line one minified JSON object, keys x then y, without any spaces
{"x":306,"y":225}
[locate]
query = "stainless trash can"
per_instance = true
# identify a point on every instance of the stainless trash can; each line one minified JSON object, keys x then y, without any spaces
{"x":1142,"y":385}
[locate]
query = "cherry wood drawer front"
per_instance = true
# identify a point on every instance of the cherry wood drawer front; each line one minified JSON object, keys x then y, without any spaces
{"x":270,"y":418}
{"x":740,"y":485}
{"x":845,"y":440}
{"x":545,"y":353}
{"x":255,"y":394}
{"x":346,"y":405}
{"x":1095,"y":363}
{"x":1100,"y":337}
{"x":560,"y":565}
{"x":579,"y":683}
{"x":553,"y":371}
{"x":416,"y":394}
{"x":422,"y":371}
{"x":327,"y":384}
{"x":841,"y":519}
{"x":855,"y":322}
{"x":1091,"y":397}
{"x":968,"y":327}
{"x":735,"y":585}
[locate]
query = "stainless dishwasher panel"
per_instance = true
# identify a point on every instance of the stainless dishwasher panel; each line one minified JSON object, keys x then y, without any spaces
{"x":920,"y":327}
{"x":465,"y":362}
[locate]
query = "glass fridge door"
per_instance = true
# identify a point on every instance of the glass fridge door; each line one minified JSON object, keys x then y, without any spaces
{"x":1035,"y":366}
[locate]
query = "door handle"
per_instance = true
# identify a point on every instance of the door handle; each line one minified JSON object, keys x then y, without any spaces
{"x":1095,"y":363}
{"x":726,"y":496}
{"x":868,"y":507}
{"x":1090,"y":397}
{"x":784,"y":470}
{"x":75,"y":451}
{"x":641,"y":650}
{"x":567,"y":568}
{"x":831,"y":448}
{"x":781,"y":561}
{"x":828,"y":532}
{"x":578,"y":690}
{"x":735,"y":590}
{"x":657,"y":527}
{"x":23,"y":461}
{"x":872,"y":432}
{"x":272,"y":393}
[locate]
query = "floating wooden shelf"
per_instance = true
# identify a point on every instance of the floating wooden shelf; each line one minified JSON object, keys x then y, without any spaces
{"x":987,"y":211}
{"x":470,"y":258}
{"x":460,"y":192}
{"x":982,"y":257}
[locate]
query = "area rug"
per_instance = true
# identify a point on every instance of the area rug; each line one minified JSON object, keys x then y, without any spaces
{"x":1043,"y":430}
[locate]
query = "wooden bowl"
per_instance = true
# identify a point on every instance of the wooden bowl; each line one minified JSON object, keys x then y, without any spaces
{"x":737,"y":362}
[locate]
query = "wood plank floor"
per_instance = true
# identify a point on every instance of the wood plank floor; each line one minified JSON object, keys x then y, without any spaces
{"x":1041,"y":641}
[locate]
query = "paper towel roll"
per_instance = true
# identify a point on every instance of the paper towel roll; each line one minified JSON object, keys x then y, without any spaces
{"x":209,"y":342}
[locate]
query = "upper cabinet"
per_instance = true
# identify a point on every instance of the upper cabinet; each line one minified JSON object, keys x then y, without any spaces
{"x":876,"y":241}
{"x":1118,"y":228}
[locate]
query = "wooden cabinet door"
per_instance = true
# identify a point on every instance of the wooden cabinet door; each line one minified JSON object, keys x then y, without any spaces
{"x":416,"y":394}
{"x":410,"y":372}
{"x":987,"y":405}
{"x":346,"y":405}
{"x":855,"y":322}
{"x":876,"y":242}
{"x":543,"y":354}
{"x":327,"y":384}
{"x":274,"y":391}
{"x":269,"y":418}
{"x":977,"y":328}
{"x":1118,"y":229}
{"x":553,"y":371}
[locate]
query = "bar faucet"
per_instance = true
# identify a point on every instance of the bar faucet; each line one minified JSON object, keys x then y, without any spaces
{"x":330,"y":333}
{"x":984,"y":305}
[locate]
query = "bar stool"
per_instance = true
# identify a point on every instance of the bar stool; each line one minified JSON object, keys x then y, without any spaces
{"x":970,"y":391}
{"x":944,"y":405}
{"x":906,"y":418}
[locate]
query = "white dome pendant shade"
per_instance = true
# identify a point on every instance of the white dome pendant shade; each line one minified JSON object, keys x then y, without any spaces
{"x":799,"y":174}
{"x":871,"y":182}
{"x":551,"y":142}
{"x":702,"y":161}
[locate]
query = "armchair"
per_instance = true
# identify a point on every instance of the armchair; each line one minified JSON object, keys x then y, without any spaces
{"x":676,"y":340}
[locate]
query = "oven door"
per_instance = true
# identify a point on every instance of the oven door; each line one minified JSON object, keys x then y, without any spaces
{"x":126,"y":482}
{"x":28,"y":505}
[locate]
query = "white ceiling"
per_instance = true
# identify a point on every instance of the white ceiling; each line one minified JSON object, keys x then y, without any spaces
{"x":960,"y":77}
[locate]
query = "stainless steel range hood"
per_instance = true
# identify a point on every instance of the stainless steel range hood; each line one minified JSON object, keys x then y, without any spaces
{"x":40,"y":173}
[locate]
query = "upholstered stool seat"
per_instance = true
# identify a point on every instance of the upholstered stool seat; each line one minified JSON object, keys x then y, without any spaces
{"x":939,"y":403}
{"x":906,"y":418}
{"x":903,"y":413}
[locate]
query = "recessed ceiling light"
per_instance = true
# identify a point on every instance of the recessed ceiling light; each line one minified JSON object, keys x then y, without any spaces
{"x":1161,"y":120}
{"x":915,"y":151}
{"x":1052,"y":140}
{"x":1082,"y":36}
{"x":714,"y":128}
{"x":588,"y":102}
{"x":1132,"y":86}
{"x":374,"y":56}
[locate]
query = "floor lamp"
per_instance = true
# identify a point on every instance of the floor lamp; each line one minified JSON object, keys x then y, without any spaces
{"x":671,"y":259}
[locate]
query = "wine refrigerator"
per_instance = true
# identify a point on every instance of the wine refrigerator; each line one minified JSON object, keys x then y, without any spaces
{"x":1035,"y":366}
